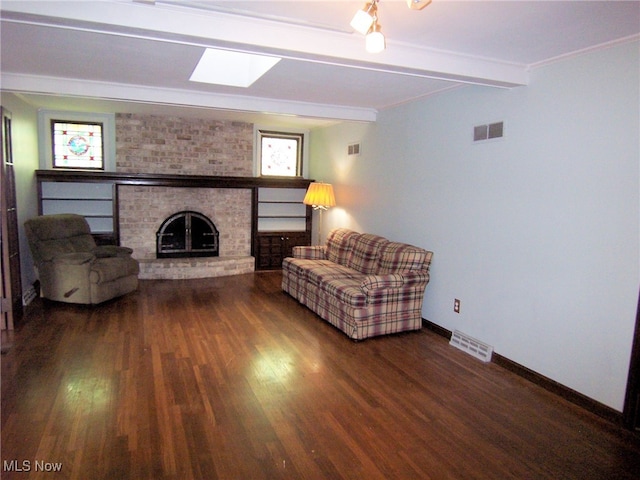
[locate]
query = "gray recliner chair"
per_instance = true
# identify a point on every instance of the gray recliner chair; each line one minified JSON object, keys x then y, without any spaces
{"x":71,"y":267}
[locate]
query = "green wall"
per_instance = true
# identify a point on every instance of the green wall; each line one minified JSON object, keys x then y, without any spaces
{"x":536,"y":233}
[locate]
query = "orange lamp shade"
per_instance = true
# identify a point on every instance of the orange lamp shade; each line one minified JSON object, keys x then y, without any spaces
{"x":320,"y":195}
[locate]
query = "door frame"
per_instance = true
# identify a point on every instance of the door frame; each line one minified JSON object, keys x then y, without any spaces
{"x":10,"y":252}
{"x":631,"y":412}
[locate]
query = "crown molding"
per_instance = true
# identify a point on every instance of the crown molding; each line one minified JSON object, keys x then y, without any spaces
{"x":584,"y":51}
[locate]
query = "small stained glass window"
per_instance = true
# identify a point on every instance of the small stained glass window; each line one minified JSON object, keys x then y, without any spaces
{"x":280,"y":154}
{"x":77,"y":145}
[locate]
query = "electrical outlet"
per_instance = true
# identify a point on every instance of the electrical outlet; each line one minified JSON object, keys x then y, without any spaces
{"x":456,"y":305}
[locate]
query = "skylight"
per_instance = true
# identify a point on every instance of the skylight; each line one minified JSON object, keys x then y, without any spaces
{"x":236,"y":69}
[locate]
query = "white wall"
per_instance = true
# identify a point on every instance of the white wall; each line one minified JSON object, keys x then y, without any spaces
{"x":537,"y":234}
{"x":24,"y":124}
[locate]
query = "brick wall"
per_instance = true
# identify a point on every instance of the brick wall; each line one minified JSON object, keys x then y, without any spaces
{"x":183,"y":146}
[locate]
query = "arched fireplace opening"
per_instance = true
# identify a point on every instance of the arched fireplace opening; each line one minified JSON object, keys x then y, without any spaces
{"x":187,"y":234}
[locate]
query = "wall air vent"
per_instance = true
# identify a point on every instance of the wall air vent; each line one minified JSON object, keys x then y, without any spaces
{"x":353,"y":149}
{"x":472,"y":346}
{"x":488,"y":131}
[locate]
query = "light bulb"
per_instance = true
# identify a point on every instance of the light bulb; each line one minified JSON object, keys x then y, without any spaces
{"x":374,"y":41}
{"x":361,"y":22}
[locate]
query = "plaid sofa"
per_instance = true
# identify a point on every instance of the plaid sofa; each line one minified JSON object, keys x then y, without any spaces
{"x":361,"y":283}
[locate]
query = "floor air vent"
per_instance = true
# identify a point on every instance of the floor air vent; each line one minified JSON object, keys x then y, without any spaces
{"x":29,"y":296}
{"x":471,"y":346}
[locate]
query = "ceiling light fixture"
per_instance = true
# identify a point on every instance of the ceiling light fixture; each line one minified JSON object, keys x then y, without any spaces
{"x":363,"y":19}
{"x":418,"y":4}
{"x":374,"y":41}
{"x":365,"y":22}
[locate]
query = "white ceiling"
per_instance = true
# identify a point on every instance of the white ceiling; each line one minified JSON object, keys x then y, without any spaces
{"x":103,"y":54}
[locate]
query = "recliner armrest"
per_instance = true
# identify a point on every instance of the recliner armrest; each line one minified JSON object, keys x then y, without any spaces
{"x":104,"y":251}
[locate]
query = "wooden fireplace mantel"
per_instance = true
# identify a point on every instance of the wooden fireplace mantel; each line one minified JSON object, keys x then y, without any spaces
{"x":166,"y":180}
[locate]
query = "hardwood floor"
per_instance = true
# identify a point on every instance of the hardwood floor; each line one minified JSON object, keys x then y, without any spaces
{"x":230,"y":378}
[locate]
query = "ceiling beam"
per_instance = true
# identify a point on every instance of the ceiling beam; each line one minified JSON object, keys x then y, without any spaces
{"x":179,"y":98}
{"x":241,"y":33}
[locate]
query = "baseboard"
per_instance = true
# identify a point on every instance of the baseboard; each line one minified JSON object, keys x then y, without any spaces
{"x":443,"y":332}
{"x":567,"y":393}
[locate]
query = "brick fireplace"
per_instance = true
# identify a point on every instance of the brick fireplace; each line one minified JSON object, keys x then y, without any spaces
{"x":185,"y":146}
{"x":143,"y":209}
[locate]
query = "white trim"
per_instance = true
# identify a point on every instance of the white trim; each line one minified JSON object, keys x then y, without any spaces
{"x":593,"y":48}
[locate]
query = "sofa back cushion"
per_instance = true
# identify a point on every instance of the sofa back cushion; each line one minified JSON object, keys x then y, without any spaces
{"x":52,"y":235}
{"x":364,"y":254}
{"x":340,"y":244}
{"x":398,"y":257}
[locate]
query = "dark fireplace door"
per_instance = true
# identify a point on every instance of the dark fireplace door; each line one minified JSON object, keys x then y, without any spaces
{"x":187,"y":234}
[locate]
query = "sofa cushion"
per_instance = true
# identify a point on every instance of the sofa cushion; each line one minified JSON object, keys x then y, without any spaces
{"x":76,"y":258}
{"x":107,"y":269}
{"x":398,"y":257}
{"x":51,"y":235}
{"x":310,"y":252}
{"x":302,"y":266}
{"x":324,"y":271}
{"x":364,"y":254}
{"x":64,"y":225}
{"x":339,"y":245}
{"x":344,"y":290}
{"x":83,"y":243}
{"x":49,"y":249}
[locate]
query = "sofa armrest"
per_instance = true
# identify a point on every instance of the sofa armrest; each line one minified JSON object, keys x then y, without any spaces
{"x":315,"y":252}
{"x":77,"y":258}
{"x":104,"y":251}
{"x":377,"y":282}
{"x":394,"y":280}
{"x":416,"y":277}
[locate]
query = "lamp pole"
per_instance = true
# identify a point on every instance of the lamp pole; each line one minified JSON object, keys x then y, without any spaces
{"x":320,"y":209}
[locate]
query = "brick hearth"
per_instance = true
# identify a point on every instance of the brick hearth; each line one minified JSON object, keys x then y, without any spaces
{"x":181,"y":268}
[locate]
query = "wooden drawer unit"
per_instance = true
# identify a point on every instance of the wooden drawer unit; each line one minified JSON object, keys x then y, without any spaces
{"x":273,"y":247}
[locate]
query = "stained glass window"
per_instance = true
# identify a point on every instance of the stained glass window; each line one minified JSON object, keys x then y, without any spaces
{"x":281,"y":154}
{"x":77,"y":145}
